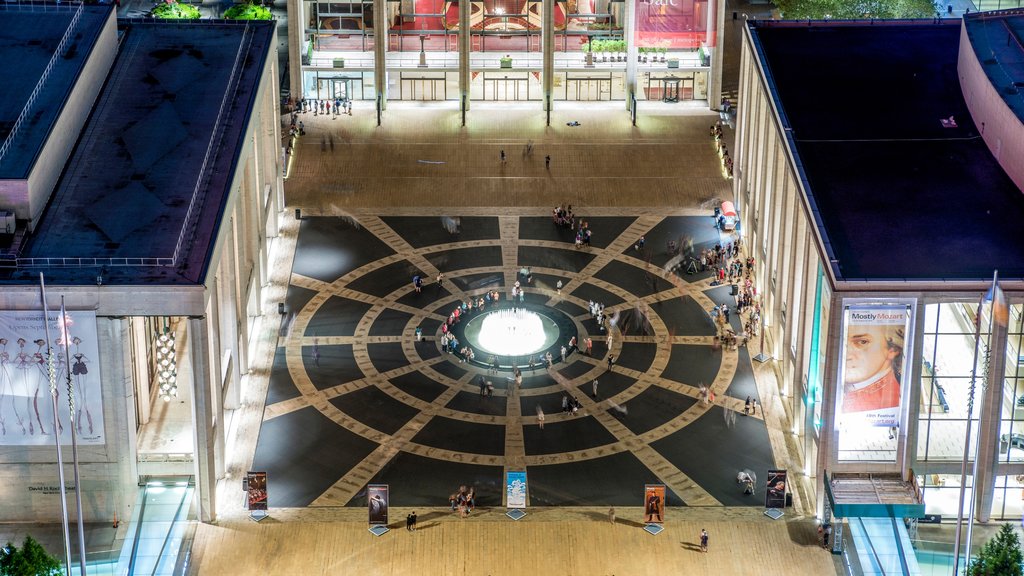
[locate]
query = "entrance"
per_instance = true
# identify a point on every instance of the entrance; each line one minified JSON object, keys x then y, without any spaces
{"x":506,"y":89}
{"x":423,"y":89}
{"x":340,"y":90}
{"x":589,"y":89}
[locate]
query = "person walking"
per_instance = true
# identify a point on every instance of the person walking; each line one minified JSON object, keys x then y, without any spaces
{"x":547,"y":162}
{"x":502,"y":156}
{"x":746,"y":407}
{"x":558,"y":287}
{"x":540,"y":418}
{"x":440,"y":280}
{"x":611,"y":515}
{"x":590,"y":347}
{"x":563,"y":354}
{"x":595,"y":388}
{"x":611,"y":361}
{"x":703,"y":540}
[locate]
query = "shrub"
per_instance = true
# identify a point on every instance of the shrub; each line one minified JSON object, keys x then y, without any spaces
{"x":248,"y":11}
{"x":30,"y":560}
{"x":174,"y":11}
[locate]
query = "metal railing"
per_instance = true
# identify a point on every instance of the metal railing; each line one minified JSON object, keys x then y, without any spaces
{"x":9,"y":141}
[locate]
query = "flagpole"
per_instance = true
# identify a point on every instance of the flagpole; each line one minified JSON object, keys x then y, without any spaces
{"x":52,"y":374}
{"x":967,"y":441}
{"x":74,"y":439}
{"x":977,"y":450}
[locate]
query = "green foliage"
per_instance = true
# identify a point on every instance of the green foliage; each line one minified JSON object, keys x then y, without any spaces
{"x":176,"y":11}
{"x":855,"y":9}
{"x":30,"y":560}
{"x":1001,"y":556}
{"x":605,"y":45}
{"x":248,"y":11}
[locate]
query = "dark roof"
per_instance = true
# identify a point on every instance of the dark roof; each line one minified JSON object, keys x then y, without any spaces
{"x":998,"y":42}
{"x":126,"y":190}
{"x":29,"y":37}
{"x":895,"y":194}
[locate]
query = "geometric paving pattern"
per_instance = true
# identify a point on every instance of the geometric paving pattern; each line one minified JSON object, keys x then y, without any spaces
{"x":354,"y":399}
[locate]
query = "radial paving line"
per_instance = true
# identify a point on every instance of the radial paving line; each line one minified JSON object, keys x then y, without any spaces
{"x":386,"y":234}
{"x":508,"y":228}
{"x":615,"y":249}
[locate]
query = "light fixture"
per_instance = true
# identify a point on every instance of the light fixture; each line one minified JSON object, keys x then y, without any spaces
{"x":166,"y":368}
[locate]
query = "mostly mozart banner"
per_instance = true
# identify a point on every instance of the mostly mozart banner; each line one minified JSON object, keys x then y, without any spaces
{"x":377,"y":502}
{"x":26,"y":410}
{"x":672,"y":23}
{"x":775,"y":492}
{"x":257,"y":492}
{"x":873,"y":365}
{"x":654,"y":503}
{"x":515,"y":489}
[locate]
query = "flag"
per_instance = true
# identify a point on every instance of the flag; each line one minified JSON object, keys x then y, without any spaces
{"x":997,"y":299}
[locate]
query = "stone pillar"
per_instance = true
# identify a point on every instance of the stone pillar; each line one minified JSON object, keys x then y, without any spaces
{"x":465,"y":8}
{"x":296,"y":45}
{"x":715,"y":87}
{"x":204,"y":429}
{"x":380,"y":51}
{"x":548,"y":49}
{"x":988,"y":428}
{"x":632,"y":53}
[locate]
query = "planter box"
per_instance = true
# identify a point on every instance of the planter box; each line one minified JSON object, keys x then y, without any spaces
{"x":339,"y":62}
{"x":506,"y":63}
{"x":673,"y":63}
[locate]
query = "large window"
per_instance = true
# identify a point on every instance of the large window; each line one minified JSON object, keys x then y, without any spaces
{"x":1011,"y":430}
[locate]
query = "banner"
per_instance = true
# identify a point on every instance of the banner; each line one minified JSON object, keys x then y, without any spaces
{"x":515,"y":489}
{"x":671,"y":23}
{"x":654,"y":503}
{"x":775,"y":492}
{"x":873,"y":364}
{"x":377,"y":502}
{"x":257,"y":493}
{"x":26,"y":413}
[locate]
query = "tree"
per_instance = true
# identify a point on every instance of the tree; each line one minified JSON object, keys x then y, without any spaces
{"x":1001,"y":556}
{"x":31,"y":560}
{"x":247,"y":11}
{"x":171,"y":10}
{"x":855,"y":9}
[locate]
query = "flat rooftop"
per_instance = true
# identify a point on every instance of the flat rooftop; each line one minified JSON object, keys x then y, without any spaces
{"x":896,"y":195}
{"x":998,"y":41}
{"x":128,"y":185}
{"x":29,"y":35}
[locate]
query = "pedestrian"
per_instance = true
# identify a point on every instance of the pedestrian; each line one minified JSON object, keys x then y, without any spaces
{"x":483,"y":385}
{"x":595,"y":388}
{"x":565,"y":403}
{"x":590,"y":347}
{"x":502,"y":156}
{"x":558,"y":287}
{"x":563,"y":354}
{"x":703,"y":540}
{"x":611,"y":515}
{"x":440,"y":280}
{"x":611,"y":361}
{"x":639,"y":244}
{"x":540,"y":418}
{"x":547,"y":162}
{"x":746,"y":407}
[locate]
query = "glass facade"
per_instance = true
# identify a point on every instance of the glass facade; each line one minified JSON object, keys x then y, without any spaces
{"x":1011,"y":429}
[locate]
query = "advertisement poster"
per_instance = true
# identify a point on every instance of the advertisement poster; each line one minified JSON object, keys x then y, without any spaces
{"x":775,"y":493}
{"x":377,"y":502}
{"x":515,"y":489}
{"x":26,"y":410}
{"x":873,"y":364}
{"x":257,"y":493}
{"x":654,"y":503}
{"x":671,"y":23}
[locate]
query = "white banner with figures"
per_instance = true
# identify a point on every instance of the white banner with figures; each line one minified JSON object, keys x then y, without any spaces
{"x":26,"y":410}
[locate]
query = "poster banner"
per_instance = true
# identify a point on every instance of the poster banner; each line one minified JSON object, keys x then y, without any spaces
{"x":257,"y":494}
{"x":654,"y":503}
{"x":377,"y":501}
{"x":672,"y":23}
{"x":873,"y":364}
{"x":26,"y":412}
{"x":515,"y":489}
{"x":775,"y":493}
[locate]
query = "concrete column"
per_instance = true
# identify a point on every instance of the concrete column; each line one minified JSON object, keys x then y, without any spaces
{"x":203,"y":420}
{"x":548,"y":49}
{"x":988,"y":427}
{"x":380,"y":50}
{"x":632,"y":53}
{"x":296,"y":44}
{"x":715,"y":88}
{"x":828,"y":439}
{"x":464,"y":47}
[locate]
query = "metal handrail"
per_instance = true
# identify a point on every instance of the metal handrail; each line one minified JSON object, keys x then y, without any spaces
{"x":9,"y":141}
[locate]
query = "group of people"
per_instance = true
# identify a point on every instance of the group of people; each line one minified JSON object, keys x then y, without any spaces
{"x":563,"y":216}
{"x":449,"y":342}
{"x":723,"y":152}
{"x":570,"y":404}
{"x":463,"y":501}
{"x":323,"y":106}
{"x":715,"y":257}
{"x":598,"y":314}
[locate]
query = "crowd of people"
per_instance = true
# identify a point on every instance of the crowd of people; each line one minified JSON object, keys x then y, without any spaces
{"x":723,"y":152}
{"x":463,"y":501}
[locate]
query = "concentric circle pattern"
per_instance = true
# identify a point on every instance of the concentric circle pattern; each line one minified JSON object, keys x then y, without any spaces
{"x":355,"y":398}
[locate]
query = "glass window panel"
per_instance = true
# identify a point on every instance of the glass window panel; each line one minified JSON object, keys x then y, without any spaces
{"x":946,"y":439}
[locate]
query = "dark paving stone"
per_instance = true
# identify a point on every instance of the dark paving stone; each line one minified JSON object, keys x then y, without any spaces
{"x":609,"y":385}
{"x":462,"y":436}
{"x":450,"y":368}
{"x":564,"y":433}
{"x":544,"y":228}
{"x":429,"y":326}
{"x":463,"y":258}
{"x":572,"y":369}
{"x":387,"y":279}
{"x":474,"y":403}
{"x":571,"y":309}
{"x":632,"y":279}
{"x":420,"y":481}
{"x":390,"y":323}
{"x":557,"y":258}
{"x":427,"y":349}
{"x":652,"y":408}
{"x":424,"y":299}
{"x":336,"y":365}
{"x":615,"y":480}
{"x":281,"y":386}
{"x":604,"y":229}
{"x":743,"y":383}
{"x":480,"y":281}
{"x":721,"y":295}
{"x":551,"y":403}
{"x":698,"y":228}
{"x":328,"y":248}
{"x":296,"y":298}
{"x":387,"y":356}
{"x":684,"y":317}
{"x":712,"y":453}
{"x":422,"y":231}
{"x":634,"y":323}
{"x":336,"y":317}
{"x":537,"y":378}
{"x":692,"y":364}
{"x":373,"y":407}
{"x":586,"y":291}
{"x":419,"y":385}
{"x":636,"y":355}
{"x":304,"y":453}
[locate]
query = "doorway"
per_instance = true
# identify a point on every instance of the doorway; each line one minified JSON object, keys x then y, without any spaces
{"x":340,"y":90}
{"x":589,"y":89}
{"x":423,"y":89}
{"x":506,"y":89}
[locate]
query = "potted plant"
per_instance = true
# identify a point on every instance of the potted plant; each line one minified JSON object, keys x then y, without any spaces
{"x":620,"y":46}
{"x":506,"y":61}
{"x":662,"y":50}
{"x":673,"y":62}
{"x":247,"y":11}
{"x":643,"y":54}
{"x":589,"y":55}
